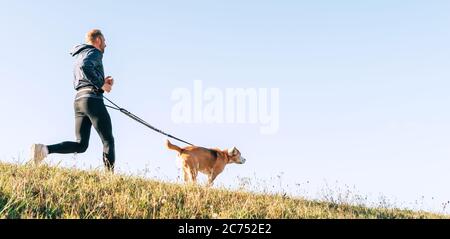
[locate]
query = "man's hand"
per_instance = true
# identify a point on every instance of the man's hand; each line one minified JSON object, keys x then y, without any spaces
{"x":109,"y":82}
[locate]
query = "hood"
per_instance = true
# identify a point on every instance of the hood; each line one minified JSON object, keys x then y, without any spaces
{"x":78,"y":49}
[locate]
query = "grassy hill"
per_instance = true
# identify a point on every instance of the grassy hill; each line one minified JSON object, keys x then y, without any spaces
{"x":47,"y":192}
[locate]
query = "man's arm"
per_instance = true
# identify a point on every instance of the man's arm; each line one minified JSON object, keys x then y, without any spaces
{"x":92,"y":60}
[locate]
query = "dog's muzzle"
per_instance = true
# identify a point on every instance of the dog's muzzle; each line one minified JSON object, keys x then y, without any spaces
{"x":243,"y":160}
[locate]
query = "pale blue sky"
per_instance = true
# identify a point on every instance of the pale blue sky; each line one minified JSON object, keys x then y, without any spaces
{"x":364,"y":87}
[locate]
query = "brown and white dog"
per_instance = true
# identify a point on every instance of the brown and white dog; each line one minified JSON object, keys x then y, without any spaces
{"x":211,"y":162}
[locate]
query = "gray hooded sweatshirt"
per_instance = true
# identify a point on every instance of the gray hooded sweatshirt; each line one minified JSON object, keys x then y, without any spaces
{"x":88,"y":68}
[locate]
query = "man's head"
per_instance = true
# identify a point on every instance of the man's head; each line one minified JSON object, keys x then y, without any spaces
{"x":95,"y":38}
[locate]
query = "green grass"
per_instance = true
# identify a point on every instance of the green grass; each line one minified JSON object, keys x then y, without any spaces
{"x":49,"y":192}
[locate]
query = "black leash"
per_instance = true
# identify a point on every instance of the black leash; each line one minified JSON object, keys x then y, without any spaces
{"x":139,"y":120}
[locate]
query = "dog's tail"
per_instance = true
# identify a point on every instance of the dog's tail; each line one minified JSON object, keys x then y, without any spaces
{"x":173,"y":147}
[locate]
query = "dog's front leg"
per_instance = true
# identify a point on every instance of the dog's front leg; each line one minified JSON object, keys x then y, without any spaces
{"x":212,"y":176}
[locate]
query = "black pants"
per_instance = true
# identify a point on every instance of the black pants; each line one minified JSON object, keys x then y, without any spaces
{"x":90,"y":112}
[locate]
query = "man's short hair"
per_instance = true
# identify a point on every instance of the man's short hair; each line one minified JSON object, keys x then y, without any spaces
{"x":92,"y":35}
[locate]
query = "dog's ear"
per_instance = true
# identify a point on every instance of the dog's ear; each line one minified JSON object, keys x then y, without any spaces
{"x":232,"y":151}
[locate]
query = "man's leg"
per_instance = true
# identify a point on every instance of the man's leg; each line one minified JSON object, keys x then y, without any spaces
{"x":82,"y":132}
{"x":99,"y":116}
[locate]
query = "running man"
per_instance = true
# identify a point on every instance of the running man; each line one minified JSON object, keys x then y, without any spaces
{"x":90,"y":84}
